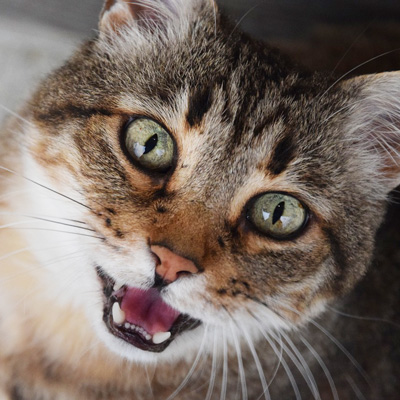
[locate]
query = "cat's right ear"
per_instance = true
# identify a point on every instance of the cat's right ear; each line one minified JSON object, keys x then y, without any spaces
{"x":118,"y":15}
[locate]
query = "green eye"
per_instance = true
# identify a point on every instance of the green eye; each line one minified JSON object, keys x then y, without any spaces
{"x":149,"y":144}
{"x":278,"y":215}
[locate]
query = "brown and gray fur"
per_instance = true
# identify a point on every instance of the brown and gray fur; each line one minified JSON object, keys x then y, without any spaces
{"x":320,"y":310}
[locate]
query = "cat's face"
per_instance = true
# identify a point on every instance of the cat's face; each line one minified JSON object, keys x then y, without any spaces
{"x":222,"y":191}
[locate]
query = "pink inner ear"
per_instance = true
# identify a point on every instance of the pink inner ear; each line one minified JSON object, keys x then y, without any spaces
{"x":384,"y":136}
{"x":119,"y":13}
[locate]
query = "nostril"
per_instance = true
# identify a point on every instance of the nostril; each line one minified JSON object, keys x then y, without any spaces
{"x":159,"y":282}
{"x":156,"y":259}
{"x":183,"y":273}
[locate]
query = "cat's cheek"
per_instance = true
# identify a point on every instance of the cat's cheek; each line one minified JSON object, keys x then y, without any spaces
{"x":133,"y":266}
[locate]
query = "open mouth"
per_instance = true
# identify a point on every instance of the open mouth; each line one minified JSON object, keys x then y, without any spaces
{"x":141,"y":317}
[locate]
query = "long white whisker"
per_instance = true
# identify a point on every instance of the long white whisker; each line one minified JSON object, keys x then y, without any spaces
{"x":14,"y":224}
{"x":16,"y":115}
{"x":309,"y":377}
{"x":355,"y":388}
{"x":44,"y":186}
{"x":298,"y":365}
{"x":215,"y":18}
{"x":213,"y":368}
{"x":193,"y":367}
{"x":350,"y":47}
{"x":280,"y":356}
{"x":243,"y":17}
{"x":224,"y":382}
{"x":89,"y":349}
{"x":49,"y":230}
{"x":149,"y":380}
{"x":324,"y":368}
{"x":14,"y":253}
{"x":50,"y":220}
{"x":260,"y":371}
{"x":283,"y":361}
{"x":361,"y":318}
{"x":353,"y":69}
{"x":335,"y":341}
{"x":242,"y":374}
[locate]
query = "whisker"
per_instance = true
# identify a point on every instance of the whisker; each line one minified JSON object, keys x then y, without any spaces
{"x":242,"y":374}
{"x":260,"y":371}
{"x":215,"y":19}
{"x":351,"y":46}
{"x":53,"y":221}
{"x":51,"y":230}
{"x":335,"y":341}
{"x":31,"y":269}
{"x":248,"y":12}
{"x":14,"y":253}
{"x":283,"y":361}
{"x":300,"y":366}
{"x":39,"y":216}
{"x":308,"y":377}
{"x":323,"y":366}
{"x":278,"y":364}
{"x":13,"y":224}
{"x":213,"y":368}
{"x":353,"y":69}
{"x":361,"y":318}
{"x":355,"y":388}
{"x":224,"y":383}
{"x":44,"y":187}
{"x":16,"y":115}
{"x":149,"y":380}
{"x":193,"y":367}
{"x":88,"y":350}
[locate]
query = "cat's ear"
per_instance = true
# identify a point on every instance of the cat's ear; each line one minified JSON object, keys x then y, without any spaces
{"x":117,"y":15}
{"x":374,"y":123}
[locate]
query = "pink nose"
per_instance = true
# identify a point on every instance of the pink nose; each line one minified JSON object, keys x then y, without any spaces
{"x":171,"y":265}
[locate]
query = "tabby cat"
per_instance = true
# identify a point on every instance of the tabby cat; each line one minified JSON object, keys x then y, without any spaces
{"x":186,"y":214}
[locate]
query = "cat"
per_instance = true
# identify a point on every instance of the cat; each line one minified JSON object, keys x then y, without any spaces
{"x":188,"y":214}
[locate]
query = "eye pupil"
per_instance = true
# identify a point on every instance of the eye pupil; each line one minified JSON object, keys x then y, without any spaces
{"x":151,"y":144}
{"x":278,"y":212}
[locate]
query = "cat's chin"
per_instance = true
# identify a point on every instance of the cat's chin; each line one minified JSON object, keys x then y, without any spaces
{"x":140,"y":317}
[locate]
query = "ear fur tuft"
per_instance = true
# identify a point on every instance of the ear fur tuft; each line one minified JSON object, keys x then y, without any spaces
{"x":375,"y":121}
{"x":117,"y":15}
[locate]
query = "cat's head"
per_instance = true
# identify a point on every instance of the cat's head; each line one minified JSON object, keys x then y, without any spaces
{"x":223,"y":191}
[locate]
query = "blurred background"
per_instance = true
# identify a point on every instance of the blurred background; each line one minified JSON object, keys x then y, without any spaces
{"x":339,"y":35}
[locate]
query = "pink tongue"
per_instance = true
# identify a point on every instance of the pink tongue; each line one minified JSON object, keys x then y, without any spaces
{"x":146,"y":308}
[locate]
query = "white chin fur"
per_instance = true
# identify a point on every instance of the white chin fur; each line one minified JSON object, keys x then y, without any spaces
{"x":184,"y":346}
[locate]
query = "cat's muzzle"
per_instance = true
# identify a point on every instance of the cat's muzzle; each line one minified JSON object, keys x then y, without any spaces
{"x":141,"y":317}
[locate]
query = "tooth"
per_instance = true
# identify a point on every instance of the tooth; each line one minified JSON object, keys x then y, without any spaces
{"x":161,"y":337}
{"x":117,"y":314}
{"x":118,"y":286}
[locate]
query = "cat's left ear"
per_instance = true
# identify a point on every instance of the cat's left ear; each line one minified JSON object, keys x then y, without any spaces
{"x":374,"y":123}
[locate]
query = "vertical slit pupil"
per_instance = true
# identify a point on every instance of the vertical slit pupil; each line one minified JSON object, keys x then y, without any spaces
{"x":151,"y":143}
{"x":278,"y":212}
